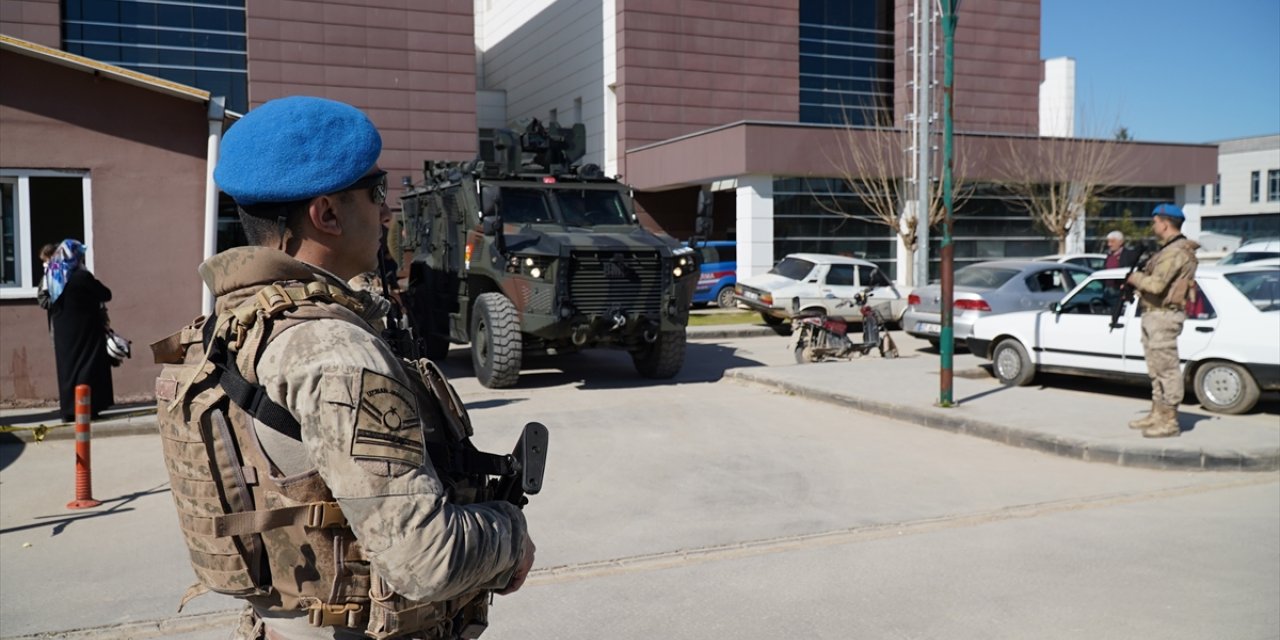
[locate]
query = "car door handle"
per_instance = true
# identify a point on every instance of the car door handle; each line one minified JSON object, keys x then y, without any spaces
{"x":1204,"y":329}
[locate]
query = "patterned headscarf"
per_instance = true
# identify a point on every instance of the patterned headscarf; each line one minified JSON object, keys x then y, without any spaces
{"x":66,"y":259}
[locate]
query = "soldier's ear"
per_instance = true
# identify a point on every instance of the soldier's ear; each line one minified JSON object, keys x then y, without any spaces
{"x":322,"y":213}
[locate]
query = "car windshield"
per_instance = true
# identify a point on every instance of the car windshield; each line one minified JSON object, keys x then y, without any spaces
{"x":591,"y":207}
{"x":793,"y":268}
{"x":1242,"y":257}
{"x":1262,"y":288}
{"x":983,"y":277}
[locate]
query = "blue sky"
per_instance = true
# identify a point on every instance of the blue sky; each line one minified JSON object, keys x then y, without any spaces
{"x":1170,"y":70}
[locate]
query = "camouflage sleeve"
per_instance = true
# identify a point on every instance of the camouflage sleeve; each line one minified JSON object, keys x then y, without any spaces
{"x":1164,"y":268}
{"x":360,"y":430}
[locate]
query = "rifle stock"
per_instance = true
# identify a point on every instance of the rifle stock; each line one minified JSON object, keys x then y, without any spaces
{"x":529,"y":462}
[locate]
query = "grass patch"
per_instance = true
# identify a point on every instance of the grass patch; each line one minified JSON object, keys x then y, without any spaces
{"x":709,"y":319}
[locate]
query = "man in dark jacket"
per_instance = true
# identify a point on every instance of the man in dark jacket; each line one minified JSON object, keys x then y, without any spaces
{"x":1118,"y":255}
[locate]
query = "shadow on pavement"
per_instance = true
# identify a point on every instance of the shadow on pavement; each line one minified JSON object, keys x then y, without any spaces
{"x":59,"y":523}
{"x":599,"y":369}
{"x":11,"y":448}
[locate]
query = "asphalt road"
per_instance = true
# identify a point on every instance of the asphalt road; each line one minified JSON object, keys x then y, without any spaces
{"x":713,"y":509}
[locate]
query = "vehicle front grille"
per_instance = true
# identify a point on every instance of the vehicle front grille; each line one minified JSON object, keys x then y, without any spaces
{"x":604,"y":281}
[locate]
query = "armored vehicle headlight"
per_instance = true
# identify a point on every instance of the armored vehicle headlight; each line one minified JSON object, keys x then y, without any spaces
{"x":528,"y":262}
{"x":677,"y":272}
{"x":535,"y":272}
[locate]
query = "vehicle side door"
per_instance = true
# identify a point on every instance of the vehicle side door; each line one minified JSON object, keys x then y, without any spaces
{"x":1046,"y":287}
{"x":1197,"y":333}
{"x":1078,"y":335}
{"x":839,"y":285}
{"x":884,"y":296}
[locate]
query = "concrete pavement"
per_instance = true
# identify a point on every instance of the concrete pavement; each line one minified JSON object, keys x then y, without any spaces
{"x":1065,"y":417}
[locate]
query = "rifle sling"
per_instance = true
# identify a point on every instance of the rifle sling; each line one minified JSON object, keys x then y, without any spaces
{"x":253,"y":399}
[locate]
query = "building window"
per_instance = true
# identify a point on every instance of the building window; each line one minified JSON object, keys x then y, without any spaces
{"x":1201,"y":194}
{"x":1273,"y":185}
{"x":846,"y":62}
{"x":39,"y":207}
{"x":200,"y":43}
{"x":1217,"y":189}
{"x":1255,"y":183}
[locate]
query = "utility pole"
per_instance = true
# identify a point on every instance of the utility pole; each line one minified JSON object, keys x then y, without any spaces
{"x":923,"y":78}
{"x":947,"y":272}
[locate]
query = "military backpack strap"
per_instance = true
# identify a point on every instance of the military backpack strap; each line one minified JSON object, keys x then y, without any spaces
{"x":252,"y":398}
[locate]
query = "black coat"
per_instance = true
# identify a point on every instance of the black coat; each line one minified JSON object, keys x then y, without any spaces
{"x":79,"y":342}
{"x":1128,"y":255}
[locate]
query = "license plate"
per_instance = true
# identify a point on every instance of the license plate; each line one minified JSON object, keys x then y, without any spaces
{"x":928,"y":327}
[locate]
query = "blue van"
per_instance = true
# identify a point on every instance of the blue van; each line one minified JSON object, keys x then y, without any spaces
{"x":719,"y":272}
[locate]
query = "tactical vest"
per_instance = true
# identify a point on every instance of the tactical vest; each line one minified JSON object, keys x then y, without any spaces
{"x":284,"y":544}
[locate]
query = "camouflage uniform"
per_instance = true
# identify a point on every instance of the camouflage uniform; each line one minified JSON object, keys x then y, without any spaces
{"x":323,"y":371}
{"x":1165,"y":285}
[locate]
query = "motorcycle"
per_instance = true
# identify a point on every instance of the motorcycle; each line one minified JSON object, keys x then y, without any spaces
{"x":817,"y":336}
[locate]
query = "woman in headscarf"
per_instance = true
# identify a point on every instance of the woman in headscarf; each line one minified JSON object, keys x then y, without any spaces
{"x":76,"y":311}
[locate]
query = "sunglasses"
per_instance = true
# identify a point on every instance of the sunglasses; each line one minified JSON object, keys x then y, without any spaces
{"x":376,"y":183}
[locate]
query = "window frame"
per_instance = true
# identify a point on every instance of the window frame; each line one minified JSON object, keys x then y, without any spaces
{"x":1217,"y":190}
{"x":1255,"y":186}
{"x":1273,"y":185}
{"x":27,"y":280}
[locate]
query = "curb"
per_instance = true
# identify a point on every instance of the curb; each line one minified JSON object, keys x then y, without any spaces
{"x":106,"y":429}
{"x":1145,"y":457}
{"x":715,"y":332}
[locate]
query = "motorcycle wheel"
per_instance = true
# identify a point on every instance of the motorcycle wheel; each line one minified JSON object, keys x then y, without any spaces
{"x":804,"y":351}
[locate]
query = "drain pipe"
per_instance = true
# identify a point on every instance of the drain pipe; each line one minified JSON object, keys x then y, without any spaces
{"x":217,"y":110}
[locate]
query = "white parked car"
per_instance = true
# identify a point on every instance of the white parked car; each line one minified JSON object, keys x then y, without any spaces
{"x":1252,"y":252}
{"x":1230,"y":344}
{"x":809,"y":281}
{"x":1090,"y":261}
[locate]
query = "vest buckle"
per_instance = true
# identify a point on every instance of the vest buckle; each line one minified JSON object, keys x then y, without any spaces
{"x":325,"y":515}
{"x":274,"y":299}
{"x":334,"y":615}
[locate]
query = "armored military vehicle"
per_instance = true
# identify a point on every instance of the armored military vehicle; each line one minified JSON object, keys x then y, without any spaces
{"x":536,"y":255}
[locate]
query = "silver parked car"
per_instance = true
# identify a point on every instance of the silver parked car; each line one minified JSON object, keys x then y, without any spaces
{"x":988,"y":288}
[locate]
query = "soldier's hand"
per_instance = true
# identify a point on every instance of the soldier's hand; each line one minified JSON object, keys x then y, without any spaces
{"x":522,"y":571}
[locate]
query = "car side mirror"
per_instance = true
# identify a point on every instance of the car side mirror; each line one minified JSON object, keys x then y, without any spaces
{"x":1055,"y":307}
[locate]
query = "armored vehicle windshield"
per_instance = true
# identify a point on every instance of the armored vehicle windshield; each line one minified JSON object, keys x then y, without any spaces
{"x":568,"y":206}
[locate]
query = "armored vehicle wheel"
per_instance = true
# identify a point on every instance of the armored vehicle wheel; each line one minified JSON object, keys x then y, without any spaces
{"x":496,"y":343}
{"x":663,"y":358}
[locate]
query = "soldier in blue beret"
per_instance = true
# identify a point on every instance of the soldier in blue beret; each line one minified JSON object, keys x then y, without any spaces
{"x":1166,"y":294}
{"x":394,"y":544}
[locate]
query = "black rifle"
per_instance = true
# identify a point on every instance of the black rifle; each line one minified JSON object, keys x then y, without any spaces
{"x":1126,"y":289}
{"x":397,"y":333}
{"x":528,"y":461}
{"x":516,"y":475}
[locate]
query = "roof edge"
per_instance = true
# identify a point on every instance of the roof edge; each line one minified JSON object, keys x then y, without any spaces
{"x":91,"y":66}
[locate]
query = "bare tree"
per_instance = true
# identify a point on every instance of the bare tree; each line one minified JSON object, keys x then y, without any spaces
{"x":874,"y":164}
{"x":1054,"y":179}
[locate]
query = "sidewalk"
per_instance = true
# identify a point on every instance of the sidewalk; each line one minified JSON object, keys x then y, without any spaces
{"x":1069,"y":417}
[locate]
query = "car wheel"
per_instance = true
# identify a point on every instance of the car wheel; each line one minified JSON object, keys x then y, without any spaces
{"x":771,"y":320}
{"x":1226,"y":387}
{"x":724,"y":299}
{"x":1011,"y":364}
{"x":496,"y":343}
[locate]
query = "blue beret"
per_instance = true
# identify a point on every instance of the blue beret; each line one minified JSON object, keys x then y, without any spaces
{"x":1170,"y":210}
{"x":296,"y":148}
